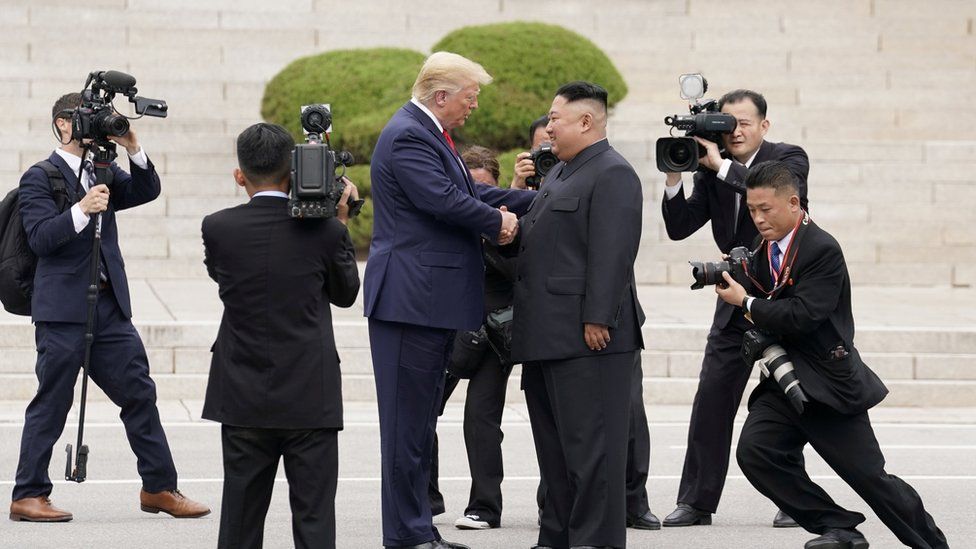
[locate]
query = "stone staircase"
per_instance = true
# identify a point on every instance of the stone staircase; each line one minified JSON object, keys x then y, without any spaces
{"x":876,"y":91}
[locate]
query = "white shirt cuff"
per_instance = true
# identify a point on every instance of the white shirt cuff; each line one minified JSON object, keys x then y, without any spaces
{"x":80,"y":219}
{"x":140,"y":159}
{"x":749,"y":301}
{"x":723,"y":171}
{"x":672,"y":192}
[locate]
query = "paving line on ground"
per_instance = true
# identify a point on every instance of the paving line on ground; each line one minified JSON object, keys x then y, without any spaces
{"x":374,"y":424}
{"x":468,"y":479}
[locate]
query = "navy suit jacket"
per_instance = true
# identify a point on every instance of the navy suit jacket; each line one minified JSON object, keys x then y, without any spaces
{"x":425,"y":265}
{"x":63,"y":256}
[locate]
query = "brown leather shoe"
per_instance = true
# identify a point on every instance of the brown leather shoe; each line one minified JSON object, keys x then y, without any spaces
{"x":37,"y":509}
{"x":173,"y":503}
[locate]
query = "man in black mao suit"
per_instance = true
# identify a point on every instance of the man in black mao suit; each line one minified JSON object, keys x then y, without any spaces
{"x":808,"y":307}
{"x":577,"y":323}
{"x":718,"y":196}
{"x":274,"y":378}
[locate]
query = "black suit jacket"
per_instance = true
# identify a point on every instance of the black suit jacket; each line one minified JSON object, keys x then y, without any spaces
{"x":714,"y":200}
{"x":577,"y":245}
{"x":812,"y":315}
{"x":274,"y":362}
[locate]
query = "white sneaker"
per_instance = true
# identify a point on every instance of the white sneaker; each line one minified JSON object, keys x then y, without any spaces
{"x":471,"y":522}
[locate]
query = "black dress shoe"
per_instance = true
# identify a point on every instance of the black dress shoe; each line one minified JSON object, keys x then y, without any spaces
{"x":782,"y":520}
{"x":686,"y":515}
{"x":429,"y":545}
{"x":647,"y":521}
{"x":838,"y":539}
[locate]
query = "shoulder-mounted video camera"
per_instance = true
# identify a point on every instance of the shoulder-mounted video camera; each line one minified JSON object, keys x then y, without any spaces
{"x":316,"y":187}
{"x":681,"y":154}
{"x":97,"y":119}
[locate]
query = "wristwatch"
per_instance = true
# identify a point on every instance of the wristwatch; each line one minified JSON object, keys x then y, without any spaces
{"x":745,"y":303}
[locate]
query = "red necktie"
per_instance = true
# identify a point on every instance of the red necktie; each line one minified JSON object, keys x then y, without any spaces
{"x":450,"y":142}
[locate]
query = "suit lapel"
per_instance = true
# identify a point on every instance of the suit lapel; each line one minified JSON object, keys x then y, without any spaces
{"x":426,"y":122}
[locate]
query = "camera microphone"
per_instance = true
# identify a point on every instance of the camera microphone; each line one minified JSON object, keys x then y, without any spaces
{"x":118,"y":81}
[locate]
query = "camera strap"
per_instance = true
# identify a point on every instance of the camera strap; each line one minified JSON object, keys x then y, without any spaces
{"x":782,"y":278}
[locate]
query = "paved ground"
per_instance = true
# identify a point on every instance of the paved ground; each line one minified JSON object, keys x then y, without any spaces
{"x":934,"y":449}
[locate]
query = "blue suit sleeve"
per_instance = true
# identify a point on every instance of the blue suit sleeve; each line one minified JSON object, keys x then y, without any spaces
{"x":129,"y":191}
{"x":47,"y":229}
{"x":421,"y":175}
{"x":516,"y":200}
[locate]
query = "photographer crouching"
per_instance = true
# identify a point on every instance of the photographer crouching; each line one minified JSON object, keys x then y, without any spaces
{"x":799,"y":293}
{"x":274,"y":381}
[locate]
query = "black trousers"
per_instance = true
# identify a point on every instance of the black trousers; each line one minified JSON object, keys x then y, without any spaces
{"x":250,"y":463}
{"x":638,"y":451}
{"x":120,"y":367}
{"x":772,"y":436}
{"x":483,"y":408}
{"x":580,"y":425}
{"x":721,"y":383}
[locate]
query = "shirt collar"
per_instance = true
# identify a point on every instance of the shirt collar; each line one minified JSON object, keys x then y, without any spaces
{"x":428,"y":112}
{"x":73,"y":162}
{"x":753,"y":157}
{"x":784,"y":242}
{"x":276,"y":194}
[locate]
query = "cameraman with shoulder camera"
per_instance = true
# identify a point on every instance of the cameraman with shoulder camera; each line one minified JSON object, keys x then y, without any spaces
{"x":718,"y":197}
{"x":803,"y":297}
{"x":62,"y":241}
{"x":275,"y":384}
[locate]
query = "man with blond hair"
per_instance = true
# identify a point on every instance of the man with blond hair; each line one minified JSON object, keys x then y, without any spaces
{"x":424,"y":278}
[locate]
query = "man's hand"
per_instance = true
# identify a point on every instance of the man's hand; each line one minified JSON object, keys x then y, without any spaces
{"x":597,"y":336}
{"x":129,"y":141}
{"x":524,"y":167}
{"x":509,"y":228}
{"x":96,"y":201}
{"x":342,"y":207}
{"x":712,"y":159}
{"x":673,"y":178}
{"x":733,"y":293}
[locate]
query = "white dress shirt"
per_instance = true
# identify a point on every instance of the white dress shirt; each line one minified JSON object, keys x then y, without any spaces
{"x":74,"y":163}
{"x":784,"y":244}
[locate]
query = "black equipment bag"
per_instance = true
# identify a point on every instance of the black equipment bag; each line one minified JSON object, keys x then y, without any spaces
{"x":17,"y":260}
{"x":499,"y":327}
{"x":468,"y":353}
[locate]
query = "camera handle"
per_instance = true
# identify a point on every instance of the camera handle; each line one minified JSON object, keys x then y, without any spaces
{"x":103,"y":157}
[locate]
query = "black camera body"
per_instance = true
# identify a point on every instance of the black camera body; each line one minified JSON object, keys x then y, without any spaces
{"x":96,"y":119}
{"x":544,"y":160}
{"x":707,"y":273}
{"x":763,"y":349}
{"x":681,"y":154}
{"x":316,"y":187}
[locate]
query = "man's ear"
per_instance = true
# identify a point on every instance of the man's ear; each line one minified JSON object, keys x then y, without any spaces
{"x":239,"y":177}
{"x":64,"y":127}
{"x":794,"y":203}
{"x":440,"y":97}
{"x":764,"y":126}
{"x":586,"y":122}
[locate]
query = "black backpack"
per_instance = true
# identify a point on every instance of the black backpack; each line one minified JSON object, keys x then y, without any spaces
{"x":17,"y":260}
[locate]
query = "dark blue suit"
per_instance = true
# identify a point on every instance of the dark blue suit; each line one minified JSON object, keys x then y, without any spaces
{"x":59,"y":310}
{"x":424,"y":279}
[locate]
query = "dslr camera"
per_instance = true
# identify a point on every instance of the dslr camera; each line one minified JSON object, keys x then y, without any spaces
{"x":316,"y":186}
{"x":763,"y":349}
{"x":97,"y":119}
{"x":544,"y":160}
{"x":707,"y":273}
{"x":681,"y":154}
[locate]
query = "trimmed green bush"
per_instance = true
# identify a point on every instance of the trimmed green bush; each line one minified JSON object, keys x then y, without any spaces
{"x":365,"y":87}
{"x":529,"y":62}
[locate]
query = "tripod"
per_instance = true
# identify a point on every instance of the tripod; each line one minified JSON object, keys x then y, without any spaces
{"x":104,"y":155}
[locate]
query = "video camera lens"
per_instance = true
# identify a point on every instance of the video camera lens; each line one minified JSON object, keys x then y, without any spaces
{"x":316,"y":119}
{"x":109,"y":123}
{"x":677,"y":154}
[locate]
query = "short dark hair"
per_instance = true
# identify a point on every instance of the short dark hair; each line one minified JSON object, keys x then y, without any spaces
{"x":64,"y":105}
{"x":477,"y":156}
{"x":540,"y":122}
{"x":773,"y":174}
{"x":578,"y":90}
{"x":264,"y":153}
{"x":735,"y":96}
